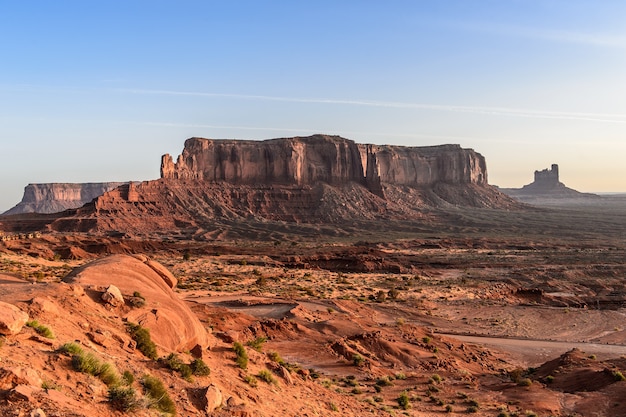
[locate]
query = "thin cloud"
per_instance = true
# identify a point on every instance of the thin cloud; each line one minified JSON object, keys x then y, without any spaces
{"x":605,"y":40}
{"x":493,"y":111}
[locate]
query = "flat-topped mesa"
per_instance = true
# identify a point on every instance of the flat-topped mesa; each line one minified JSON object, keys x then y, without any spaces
{"x":321,"y":158}
{"x":57,"y":197}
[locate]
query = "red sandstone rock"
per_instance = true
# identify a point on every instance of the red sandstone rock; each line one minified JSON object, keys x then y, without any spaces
{"x":12,"y":319}
{"x":172,"y":325}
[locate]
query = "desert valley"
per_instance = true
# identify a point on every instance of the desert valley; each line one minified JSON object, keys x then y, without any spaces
{"x":313,"y":276}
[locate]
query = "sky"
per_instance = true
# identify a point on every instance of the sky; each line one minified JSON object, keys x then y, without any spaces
{"x":98,"y":91}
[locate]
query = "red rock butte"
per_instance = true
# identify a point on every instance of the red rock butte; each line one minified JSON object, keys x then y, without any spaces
{"x":312,"y":180}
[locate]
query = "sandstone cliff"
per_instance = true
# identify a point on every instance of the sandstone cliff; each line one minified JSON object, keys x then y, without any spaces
{"x":320,"y":158}
{"x":238,"y":188}
{"x":57,"y":197}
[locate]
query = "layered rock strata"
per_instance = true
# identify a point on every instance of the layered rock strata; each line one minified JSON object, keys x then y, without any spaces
{"x":57,"y":197}
{"x":320,"y":158}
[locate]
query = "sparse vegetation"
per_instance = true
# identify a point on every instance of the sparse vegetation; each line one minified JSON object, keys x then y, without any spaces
{"x":173,"y":362}
{"x":242,"y":356}
{"x":384,"y":382}
{"x":618,"y":376}
{"x":70,"y":348}
{"x":403,"y":401}
{"x":199,"y":368}
{"x":251,"y":380}
{"x":87,"y":363}
{"x":266,"y":376}
{"x":257,"y":344}
{"x":40,"y":329}
{"x":123,"y":398}
{"x":357,"y":359}
{"x":128,"y":378}
{"x":275,"y":357}
{"x":160,"y":398}
{"x":141,"y":335}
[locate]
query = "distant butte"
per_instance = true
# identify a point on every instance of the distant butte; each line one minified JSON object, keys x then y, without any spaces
{"x":546,"y":185}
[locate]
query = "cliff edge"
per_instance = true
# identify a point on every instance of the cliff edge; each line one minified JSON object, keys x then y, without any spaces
{"x":57,"y":197}
{"x":321,"y":158}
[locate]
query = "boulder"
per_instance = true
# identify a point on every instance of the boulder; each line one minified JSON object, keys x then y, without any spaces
{"x":41,"y":305}
{"x":213,"y":397}
{"x":14,"y":376}
{"x":23,"y":393}
{"x":12,"y":319}
{"x":113,"y":296}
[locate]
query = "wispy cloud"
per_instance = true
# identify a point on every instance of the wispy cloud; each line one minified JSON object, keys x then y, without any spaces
{"x":552,"y":35}
{"x":494,"y":111}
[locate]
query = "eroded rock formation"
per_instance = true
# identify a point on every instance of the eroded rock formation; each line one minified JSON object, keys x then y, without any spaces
{"x":320,"y":158}
{"x":216,"y":185}
{"x":57,"y":197}
{"x":546,"y":184}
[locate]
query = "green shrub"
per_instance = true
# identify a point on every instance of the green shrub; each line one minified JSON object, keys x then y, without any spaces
{"x":436,"y":378}
{"x":242,"y":355}
{"x":403,"y":401}
{"x":525,"y":382}
{"x":357,"y":359}
{"x":550,"y":379}
{"x":426,"y":339}
{"x":251,"y":380}
{"x":70,"y":348}
{"x":384,"y":382}
{"x":128,"y":378}
{"x":173,"y":362}
{"x":141,"y":335}
{"x":618,"y":376}
{"x":123,"y":398}
{"x":89,"y":364}
{"x":257,"y":344}
{"x":86,"y":363}
{"x":473,"y":403}
{"x":109,"y":374}
{"x":40,"y":329}
{"x":472,"y":409}
{"x":275,"y":357}
{"x":266,"y":376}
{"x":448,"y":408}
{"x":199,"y":368}
{"x":156,"y":391}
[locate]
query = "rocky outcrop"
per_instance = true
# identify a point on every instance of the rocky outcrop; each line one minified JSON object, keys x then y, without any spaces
{"x":172,"y":325}
{"x":320,"y":158}
{"x":546,"y":185}
{"x":216,"y":185}
{"x":57,"y":197}
{"x":12,"y":319}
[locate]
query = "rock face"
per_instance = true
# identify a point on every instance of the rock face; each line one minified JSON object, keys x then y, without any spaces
{"x":329,"y":159}
{"x":172,"y":324}
{"x":216,"y":185}
{"x":57,"y":197}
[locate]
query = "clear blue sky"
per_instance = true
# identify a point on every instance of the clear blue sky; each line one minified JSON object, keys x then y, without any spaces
{"x":98,"y":91}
